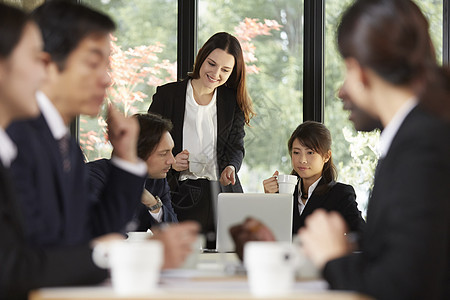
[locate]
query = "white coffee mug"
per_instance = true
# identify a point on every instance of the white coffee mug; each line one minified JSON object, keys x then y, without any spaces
{"x":197,"y":163}
{"x":287,"y":183}
{"x":270,"y":267}
{"x":139,"y":236}
{"x":135,"y":267}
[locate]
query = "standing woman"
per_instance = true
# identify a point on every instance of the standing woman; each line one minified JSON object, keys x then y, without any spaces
{"x":310,"y":151}
{"x":208,"y":111}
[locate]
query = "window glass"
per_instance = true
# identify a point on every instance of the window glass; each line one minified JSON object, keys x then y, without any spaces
{"x":355,"y":153}
{"x":27,"y":5}
{"x":271,"y":35}
{"x":144,"y":51}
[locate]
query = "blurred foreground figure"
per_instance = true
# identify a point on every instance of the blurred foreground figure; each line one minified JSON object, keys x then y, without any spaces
{"x":392,"y":76}
{"x":393,"y":80}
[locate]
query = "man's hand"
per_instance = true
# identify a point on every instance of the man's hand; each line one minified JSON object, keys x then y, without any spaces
{"x":123,"y":134}
{"x":178,"y":241}
{"x":149,"y":200}
{"x":250,"y":230}
{"x":323,"y":237}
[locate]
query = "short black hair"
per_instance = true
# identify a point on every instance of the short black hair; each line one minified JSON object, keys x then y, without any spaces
{"x":152,"y":128}
{"x":65,"y":24}
{"x":12,"y":24}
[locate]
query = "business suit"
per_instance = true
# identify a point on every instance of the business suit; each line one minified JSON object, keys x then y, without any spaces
{"x":333,"y":196}
{"x":23,"y":267}
{"x":99,"y":173}
{"x":57,"y":206}
{"x":192,"y":198}
{"x":406,"y":239}
{"x":170,"y":102}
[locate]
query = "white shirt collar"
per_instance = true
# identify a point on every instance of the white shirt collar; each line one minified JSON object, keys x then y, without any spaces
{"x":389,"y":132}
{"x":52,"y":116}
{"x":310,"y":189}
{"x":8,"y":150}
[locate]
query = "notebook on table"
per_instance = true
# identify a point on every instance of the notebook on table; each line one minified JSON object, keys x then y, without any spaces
{"x":274,"y":210}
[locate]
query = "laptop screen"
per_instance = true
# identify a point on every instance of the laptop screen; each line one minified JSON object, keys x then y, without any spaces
{"x":274,"y":210}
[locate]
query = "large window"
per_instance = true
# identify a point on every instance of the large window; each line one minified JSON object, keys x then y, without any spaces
{"x":27,"y":5}
{"x":271,"y":34}
{"x":355,"y":153}
{"x":144,"y":56}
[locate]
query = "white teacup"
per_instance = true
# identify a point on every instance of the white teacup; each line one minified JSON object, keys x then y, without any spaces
{"x":139,"y":236}
{"x":135,"y":267}
{"x":197,"y":163}
{"x":287,"y":183}
{"x":270,"y":267}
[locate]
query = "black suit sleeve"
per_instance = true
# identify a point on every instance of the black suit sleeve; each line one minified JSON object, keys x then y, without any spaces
{"x":169,"y":214}
{"x":157,"y":105}
{"x":405,"y":244}
{"x":348,"y":207}
{"x":116,"y":195}
{"x":234,"y":147}
{"x":24,"y":268}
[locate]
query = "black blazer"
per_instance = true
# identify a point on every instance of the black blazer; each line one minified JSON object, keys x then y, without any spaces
{"x":58,"y":208}
{"x":24,"y":268}
{"x":170,"y":102}
{"x":99,"y":173}
{"x":406,"y":241}
{"x":334,"y":196}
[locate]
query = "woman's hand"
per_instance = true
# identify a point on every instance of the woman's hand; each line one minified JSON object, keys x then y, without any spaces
{"x":228,"y":176}
{"x":181,"y":161}
{"x":271,"y":184}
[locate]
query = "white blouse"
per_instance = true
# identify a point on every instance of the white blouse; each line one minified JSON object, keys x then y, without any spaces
{"x":311,"y":189}
{"x":200,"y":137}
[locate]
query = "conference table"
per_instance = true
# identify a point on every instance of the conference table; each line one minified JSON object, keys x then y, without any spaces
{"x":212,"y":276}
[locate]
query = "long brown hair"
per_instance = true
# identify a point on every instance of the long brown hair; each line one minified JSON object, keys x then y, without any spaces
{"x":317,"y":137}
{"x":391,"y":37}
{"x":237,"y":79}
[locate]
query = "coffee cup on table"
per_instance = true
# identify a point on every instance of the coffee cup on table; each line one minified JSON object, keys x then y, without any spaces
{"x":135,"y":267}
{"x":270,"y":267}
{"x":139,"y":236}
{"x":286,"y":183}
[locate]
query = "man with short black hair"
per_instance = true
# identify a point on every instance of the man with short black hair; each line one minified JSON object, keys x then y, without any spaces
{"x":51,"y":176}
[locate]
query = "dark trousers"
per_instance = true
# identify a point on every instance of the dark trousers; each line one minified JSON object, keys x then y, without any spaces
{"x":197,"y":200}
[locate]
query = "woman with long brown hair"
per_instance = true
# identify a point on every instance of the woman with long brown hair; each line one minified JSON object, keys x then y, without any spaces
{"x":208,"y":111}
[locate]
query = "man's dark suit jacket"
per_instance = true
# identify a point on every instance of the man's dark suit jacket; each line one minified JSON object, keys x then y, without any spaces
{"x":170,"y":102}
{"x":99,"y":172}
{"x":334,"y":196}
{"x":58,"y":207}
{"x":406,"y":239}
{"x":23,"y":268}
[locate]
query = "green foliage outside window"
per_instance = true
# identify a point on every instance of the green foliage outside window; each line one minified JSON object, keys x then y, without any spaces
{"x":147,"y":34}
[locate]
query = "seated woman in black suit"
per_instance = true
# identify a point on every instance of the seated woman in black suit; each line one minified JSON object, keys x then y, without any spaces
{"x":310,"y":151}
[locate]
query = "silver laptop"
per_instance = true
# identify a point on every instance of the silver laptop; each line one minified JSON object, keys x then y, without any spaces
{"x":274,"y":210}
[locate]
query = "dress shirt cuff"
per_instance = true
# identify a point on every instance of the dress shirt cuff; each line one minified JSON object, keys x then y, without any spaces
{"x":138,"y":169}
{"x":157,"y":216}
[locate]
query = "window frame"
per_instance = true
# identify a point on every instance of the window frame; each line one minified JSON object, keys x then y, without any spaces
{"x":313,"y":54}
